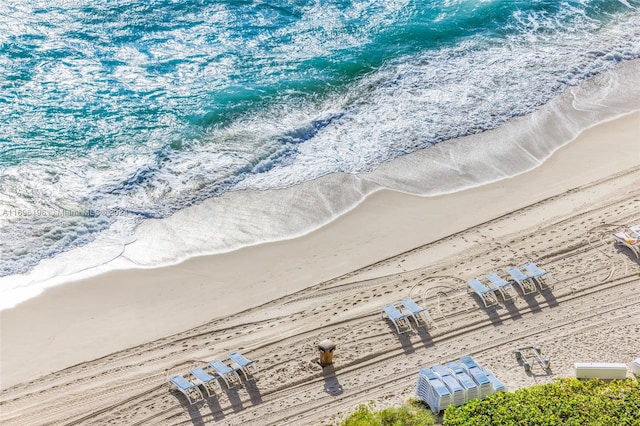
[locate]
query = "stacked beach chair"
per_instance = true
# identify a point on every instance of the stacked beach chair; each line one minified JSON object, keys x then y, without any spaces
{"x":471,"y":388}
{"x":432,"y":391}
{"x":455,"y":383}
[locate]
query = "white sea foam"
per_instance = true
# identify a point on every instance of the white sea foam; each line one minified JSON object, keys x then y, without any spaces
{"x":242,"y":218}
{"x":152,"y":169}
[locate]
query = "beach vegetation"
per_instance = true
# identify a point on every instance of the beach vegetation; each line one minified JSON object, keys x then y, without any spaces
{"x":564,"y":402}
{"x":413,"y":412}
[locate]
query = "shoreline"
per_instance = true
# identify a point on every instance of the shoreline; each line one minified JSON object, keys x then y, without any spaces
{"x":92,"y":318}
{"x":247,"y":218}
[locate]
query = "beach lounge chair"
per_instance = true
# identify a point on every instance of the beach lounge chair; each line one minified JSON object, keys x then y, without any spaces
{"x":632,"y":243}
{"x":535,"y":272}
{"x":526,"y":282}
{"x":400,"y":320}
{"x":243,"y":364}
{"x":206,"y":380}
{"x":501,"y":284}
{"x":487,"y":295}
{"x":419,"y":314}
{"x":188,"y":389}
{"x":224,"y":372}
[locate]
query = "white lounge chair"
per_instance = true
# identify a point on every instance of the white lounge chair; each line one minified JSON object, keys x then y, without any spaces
{"x":188,"y":389}
{"x":243,"y":364}
{"x":487,"y":295}
{"x":400,"y":320}
{"x":419,"y":314}
{"x":206,"y":380}
{"x":526,"y":282}
{"x":536,"y":273}
{"x":632,"y":243}
{"x":502,"y":285}
{"x":225,"y":372}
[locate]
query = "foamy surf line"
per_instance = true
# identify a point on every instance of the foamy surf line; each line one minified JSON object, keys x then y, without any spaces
{"x":245,"y":218}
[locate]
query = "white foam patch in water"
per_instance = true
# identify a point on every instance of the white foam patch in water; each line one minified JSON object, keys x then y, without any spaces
{"x":243,"y":218}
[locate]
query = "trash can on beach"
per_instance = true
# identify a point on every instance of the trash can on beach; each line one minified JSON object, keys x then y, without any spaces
{"x":326,"y":348}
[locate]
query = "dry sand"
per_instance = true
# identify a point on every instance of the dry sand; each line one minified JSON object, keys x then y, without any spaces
{"x":99,"y":351}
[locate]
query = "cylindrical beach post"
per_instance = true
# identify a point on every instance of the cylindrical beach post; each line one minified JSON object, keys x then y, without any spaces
{"x":326,"y":348}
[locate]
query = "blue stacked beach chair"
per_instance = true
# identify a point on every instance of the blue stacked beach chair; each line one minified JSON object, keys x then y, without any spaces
{"x":458,"y":392}
{"x":485,"y":387}
{"x":432,"y":391}
{"x":496,"y":384}
{"x":472,"y":390}
{"x":455,"y":383}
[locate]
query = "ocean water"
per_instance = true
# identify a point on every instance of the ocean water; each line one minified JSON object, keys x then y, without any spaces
{"x":162,"y":129}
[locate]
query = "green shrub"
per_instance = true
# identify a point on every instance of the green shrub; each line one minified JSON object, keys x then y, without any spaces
{"x":412,"y":413}
{"x":564,"y":402}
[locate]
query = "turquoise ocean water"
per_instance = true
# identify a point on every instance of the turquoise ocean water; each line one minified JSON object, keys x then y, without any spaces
{"x":114,"y":112}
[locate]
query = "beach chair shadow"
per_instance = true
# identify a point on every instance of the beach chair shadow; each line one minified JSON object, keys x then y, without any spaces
{"x":425,"y":336}
{"x":549,"y":297}
{"x":406,"y":344}
{"x":494,"y":315}
{"x":625,"y":251}
{"x":235,"y":400}
{"x":194,"y":414}
{"x":331,"y":384}
{"x":421,"y":318}
{"x":215,"y":408}
{"x":512,"y":309}
{"x":192,"y":409}
{"x":254,"y":393}
{"x":532,"y":302}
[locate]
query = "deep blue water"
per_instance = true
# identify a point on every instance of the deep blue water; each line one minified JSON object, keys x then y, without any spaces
{"x":112,"y":112}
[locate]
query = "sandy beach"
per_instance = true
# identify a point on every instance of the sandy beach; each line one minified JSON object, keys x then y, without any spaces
{"x":99,"y":351}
